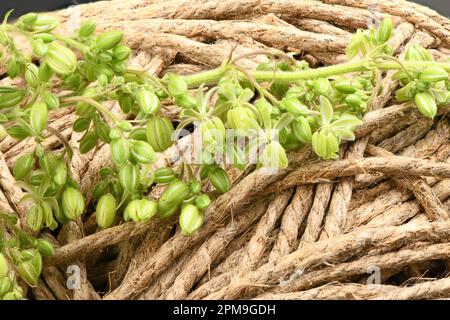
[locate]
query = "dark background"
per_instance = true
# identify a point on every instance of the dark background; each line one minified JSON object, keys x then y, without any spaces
{"x":23,"y":6}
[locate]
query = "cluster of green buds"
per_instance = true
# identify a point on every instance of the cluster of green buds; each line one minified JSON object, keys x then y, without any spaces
{"x":21,"y":255}
{"x":372,"y":41}
{"x":241,"y":117}
{"x":427,"y":87}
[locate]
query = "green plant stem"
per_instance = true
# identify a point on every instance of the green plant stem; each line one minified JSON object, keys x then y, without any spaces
{"x":107,"y":113}
{"x":62,"y":139}
{"x":73,"y":43}
{"x":214,"y":75}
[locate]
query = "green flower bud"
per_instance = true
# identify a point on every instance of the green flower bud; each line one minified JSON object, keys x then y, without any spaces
{"x":88,"y":142}
{"x":6,"y":286}
{"x":45,"y":23}
{"x":143,"y":152}
{"x":186,"y":101}
{"x":51,"y":100}
{"x":105,"y":213}
{"x":345,"y":87}
{"x":426,"y":104}
{"x":195,"y":186}
{"x":45,"y":72}
{"x":126,"y":101}
{"x":353,"y":101}
{"x":102,"y":80}
{"x":325,"y":144}
{"x":294,"y":106}
{"x":44,"y":37}
{"x":28,"y":273}
{"x":109,"y":40}
{"x":4,"y":269}
{"x":406,"y":93}
{"x":49,"y":220}
{"x":45,"y":248}
{"x":115,"y":133}
{"x":139,"y":134}
{"x":60,"y":176}
{"x":176,"y":84}
{"x":87,"y":28}
{"x":190,"y":219}
{"x":129,"y":176}
{"x":148,"y":101}
{"x":120,"y":150}
{"x":274,"y":156}
{"x":141,"y":210}
{"x":164,"y":175}
{"x":384,"y":31}
{"x":10,"y":97}
{"x":13,"y":67}
{"x":31,"y":75}
{"x":176,"y":193}
{"x":38,"y":117}
{"x":28,"y":19}
{"x":424,"y":53}
{"x":219,"y":179}
{"x":212,"y":130}
{"x":302,"y":130}
{"x":159,"y":133}
{"x":125,"y":126}
{"x":23,"y":166}
{"x":72,"y":203}
{"x":242,"y":118}
{"x":61,"y":59}
{"x":121,"y":53}
{"x":167,"y":210}
{"x":413,"y":54}
{"x":321,"y":86}
{"x":433,"y":74}
{"x":39,"y":48}
{"x":35,"y":218}
{"x":203,"y":201}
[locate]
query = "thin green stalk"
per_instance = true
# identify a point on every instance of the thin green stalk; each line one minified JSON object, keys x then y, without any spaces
{"x":106,"y":112}
{"x":214,"y":75}
{"x":73,"y":43}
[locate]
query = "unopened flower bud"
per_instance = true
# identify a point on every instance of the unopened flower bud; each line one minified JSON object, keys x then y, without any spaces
{"x":164,"y":175}
{"x":23,"y":166}
{"x":45,"y":248}
{"x":87,"y":28}
{"x":159,"y":133}
{"x":109,"y":40}
{"x":426,"y":104}
{"x":38,"y":117}
{"x":190,"y":219}
{"x":120,"y":150}
{"x":148,"y":101}
{"x":129,"y":176}
{"x":61,"y":59}
{"x":219,"y":179}
{"x":274,"y":156}
{"x":72,"y":203}
{"x":105,"y":213}
{"x":143,"y":152}
{"x":202,"y":201}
